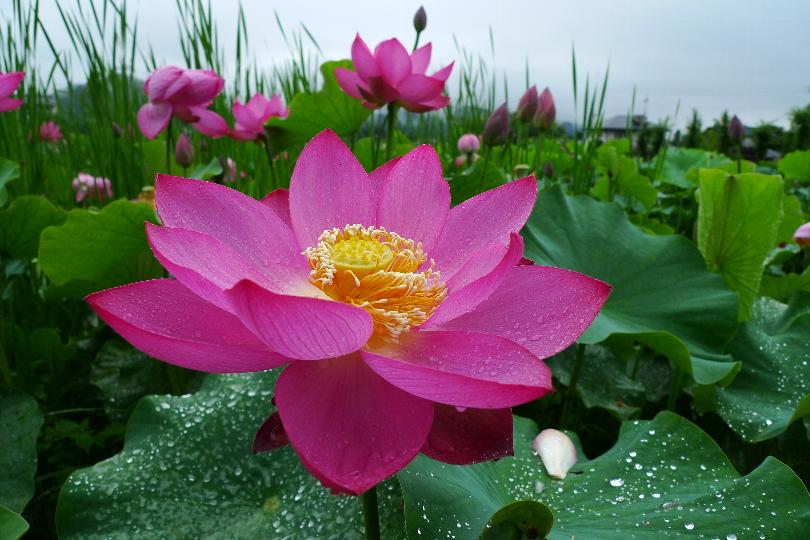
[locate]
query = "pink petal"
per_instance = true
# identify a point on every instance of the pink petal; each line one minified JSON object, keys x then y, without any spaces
{"x":348,"y":81}
{"x":207,"y":266}
{"x":246,"y":117}
{"x":377,"y":178}
{"x":465,"y":299}
{"x":260,"y":106}
{"x":379,"y":91}
{"x":209,"y":123}
{"x":167,"y":321}
{"x":241,"y":222}
{"x":545,"y":309}
{"x":10,"y":104}
{"x":488,"y":218}
{"x":393,"y":60}
{"x":430,"y":105}
{"x":350,"y":427}
{"x":469,"y":436}
{"x":419,"y":88}
{"x":240,"y":134}
{"x":275,"y":107}
{"x":153,"y":118}
{"x":420,"y":59}
{"x":328,"y":189}
{"x":157,"y":85}
{"x":415,"y":199}
{"x":300,"y":327}
{"x":9,"y":83}
{"x":270,"y":435}
{"x":278,"y":201}
{"x":465,"y":369}
{"x":444,"y":73}
{"x":363,"y":60}
{"x":204,"y":85}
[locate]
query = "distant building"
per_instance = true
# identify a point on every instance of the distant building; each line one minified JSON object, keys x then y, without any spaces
{"x":616,"y":127}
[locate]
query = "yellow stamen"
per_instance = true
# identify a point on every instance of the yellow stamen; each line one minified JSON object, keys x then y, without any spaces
{"x":378,"y":271}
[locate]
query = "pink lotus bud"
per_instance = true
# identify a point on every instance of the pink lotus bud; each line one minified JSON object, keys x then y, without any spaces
{"x":184,"y":151}
{"x":736,"y":130}
{"x":420,"y":19}
{"x":527,"y":105}
{"x":497,"y":127}
{"x":49,"y":131}
{"x":557,"y":452}
{"x":469,"y":143}
{"x":802,"y":235}
{"x":546,"y":111}
{"x":460,"y":161}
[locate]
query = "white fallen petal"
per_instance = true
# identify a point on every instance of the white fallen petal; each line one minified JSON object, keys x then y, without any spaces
{"x":557,"y":452}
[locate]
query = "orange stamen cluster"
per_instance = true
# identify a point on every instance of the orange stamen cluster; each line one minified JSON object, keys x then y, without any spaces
{"x":378,"y":271}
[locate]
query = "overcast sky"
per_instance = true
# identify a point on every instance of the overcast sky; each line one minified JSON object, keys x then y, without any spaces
{"x":750,"y":57}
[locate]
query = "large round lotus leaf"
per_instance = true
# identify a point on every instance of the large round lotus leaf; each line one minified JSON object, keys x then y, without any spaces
{"x":12,"y":525}
{"x":664,"y":478}
{"x":20,"y":421}
{"x":773,"y":387}
{"x":663,"y":295}
{"x":187,"y":471}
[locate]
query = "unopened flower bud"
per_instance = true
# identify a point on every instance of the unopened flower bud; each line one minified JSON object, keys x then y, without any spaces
{"x":460,"y":161}
{"x":184,"y":151}
{"x":420,"y":19}
{"x":557,"y":451}
{"x":548,"y":170}
{"x":497,"y":127}
{"x":802,"y":235}
{"x":546,"y":111}
{"x":469,"y":143}
{"x":527,"y":106}
{"x":736,"y":130}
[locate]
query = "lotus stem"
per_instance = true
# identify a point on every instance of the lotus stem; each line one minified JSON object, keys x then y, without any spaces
{"x":371,"y":514}
{"x":572,"y":384}
{"x":391,"y":120}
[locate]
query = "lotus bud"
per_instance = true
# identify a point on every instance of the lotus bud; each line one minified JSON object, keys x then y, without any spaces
{"x":736,"y":130}
{"x":546,"y":111}
{"x":548,"y":170}
{"x":420,"y":19}
{"x":460,"y":161}
{"x":184,"y":151}
{"x":527,"y":106}
{"x":497,"y":127}
{"x":802,"y":235}
{"x":469,"y":143}
{"x":556,"y":451}
{"x":521,"y":170}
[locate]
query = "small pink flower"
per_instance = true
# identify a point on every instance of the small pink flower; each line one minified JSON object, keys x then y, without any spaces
{"x":8,"y":84}
{"x":87,"y":186}
{"x":527,"y":106}
{"x":251,"y":117}
{"x":391,"y":75}
{"x":405,"y":325}
{"x":186,"y":94}
{"x":469,"y":143}
{"x":802,"y":235}
{"x":546,"y":111}
{"x":49,"y":131}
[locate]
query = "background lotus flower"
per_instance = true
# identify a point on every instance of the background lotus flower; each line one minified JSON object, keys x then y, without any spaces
{"x":49,"y":131}
{"x":186,"y":94}
{"x":802,"y":235}
{"x":92,"y":187}
{"x":251,"y":117}
{"x":469,"y":143}
{"x":387,"y":356}
{"x":496,"y":128}
{"x":184,"y":151}
{"x":8,"y":84}
{"x":736,"y":130}
{"x":527,"y":106}
{"x":391,"y":75}
{"x":546,"y":111}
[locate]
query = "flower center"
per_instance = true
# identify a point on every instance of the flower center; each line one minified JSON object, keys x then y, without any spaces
{"x":378,"y":271}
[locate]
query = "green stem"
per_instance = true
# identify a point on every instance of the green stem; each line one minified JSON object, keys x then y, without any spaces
{"x":270,"y":163}
{"x":487,"y":151}
{"x":674,"y":388}
{"x":416,"y":43}
{"x":5,"y":370}
{"x":391,"y":120}
{"x":572,"y":385}
{"x":169,"y":147}
{"x":371,"y":514}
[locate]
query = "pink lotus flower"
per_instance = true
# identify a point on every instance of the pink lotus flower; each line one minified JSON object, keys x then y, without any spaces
{"x":469,"y":143}
{"x":406,"y":326}
{"x":251,"y":117}
{"x":8,"y":84}
{"x":802,"y":235}
{"x":186,"y":94}
{"x":546,"y":110}
{"x":391,"y":75}
{"x":49,"y":131}
{"x":88,"y":186}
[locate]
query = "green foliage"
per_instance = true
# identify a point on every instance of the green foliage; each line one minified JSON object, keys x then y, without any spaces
{"x":681,"y":164}
{"x":12,"y":525}
{"x":738,"y":223}
{"x":77,"y":256}
{"x":662,"y":479}
{"x":795,"y":165}
{"x":620,"y":176}
{"x":20,"y":421}
{"x":23,"y":221}
{"x":9,"y":170}
{"x":662,"y":296}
